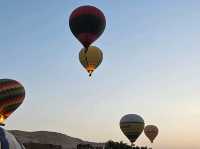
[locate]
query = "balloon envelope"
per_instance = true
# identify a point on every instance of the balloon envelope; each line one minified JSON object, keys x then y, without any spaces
{"x":87,"y":23}
{"x":12,"y":94}
{"x":90,"y":58}
{"x":151,"y":131}
{"x":132,"y":126}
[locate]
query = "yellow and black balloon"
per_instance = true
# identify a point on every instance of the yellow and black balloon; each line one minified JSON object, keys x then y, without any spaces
{"x":87,"y":23}
{"x":90,"y":58}
{"x":132,"y":125}
{"x":12,"y":94}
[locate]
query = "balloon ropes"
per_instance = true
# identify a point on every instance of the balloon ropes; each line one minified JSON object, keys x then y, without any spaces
{"x":132,"y":125}
{"x":87,"y":23}
{"x":12,"y":94}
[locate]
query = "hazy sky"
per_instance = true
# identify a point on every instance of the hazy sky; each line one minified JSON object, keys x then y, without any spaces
{"x":151,"y":67}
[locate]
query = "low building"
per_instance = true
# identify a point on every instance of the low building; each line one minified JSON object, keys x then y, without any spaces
{"x":88,"y":146}
{"x":137,"y":147}
{"x":41,"y":146}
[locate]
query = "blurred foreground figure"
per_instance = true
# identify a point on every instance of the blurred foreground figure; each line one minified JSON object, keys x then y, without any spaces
{"x":8,"y":141}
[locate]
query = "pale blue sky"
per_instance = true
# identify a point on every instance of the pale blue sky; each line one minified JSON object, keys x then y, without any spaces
{"x":151,"y":67}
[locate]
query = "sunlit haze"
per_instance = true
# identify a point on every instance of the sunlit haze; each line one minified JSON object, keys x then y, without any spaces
{"x":151,"y":67}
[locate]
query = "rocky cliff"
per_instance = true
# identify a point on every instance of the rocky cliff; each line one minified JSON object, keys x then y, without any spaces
{"x":48,"y":140}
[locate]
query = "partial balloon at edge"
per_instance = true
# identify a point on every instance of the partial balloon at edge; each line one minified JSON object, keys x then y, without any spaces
{"x":12,"y":94}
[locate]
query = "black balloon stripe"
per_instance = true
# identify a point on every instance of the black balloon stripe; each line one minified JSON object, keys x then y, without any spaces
{"x":7,"y":82}
{"x":13,"y":98}
{"x":87,"y":24}
{"x":10,"y":86}
{"x":12,"y":93}
{"x":11,"y":108}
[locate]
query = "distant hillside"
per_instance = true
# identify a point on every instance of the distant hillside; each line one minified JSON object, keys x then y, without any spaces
{"x":54,"y":138}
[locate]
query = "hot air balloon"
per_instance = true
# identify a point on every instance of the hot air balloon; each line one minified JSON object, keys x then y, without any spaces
{"x":12,"y":94}
{"x":87,"y":23}
{"x":132,"y":126}
{"x":151,"y":131}
{"x":90,"y":58}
